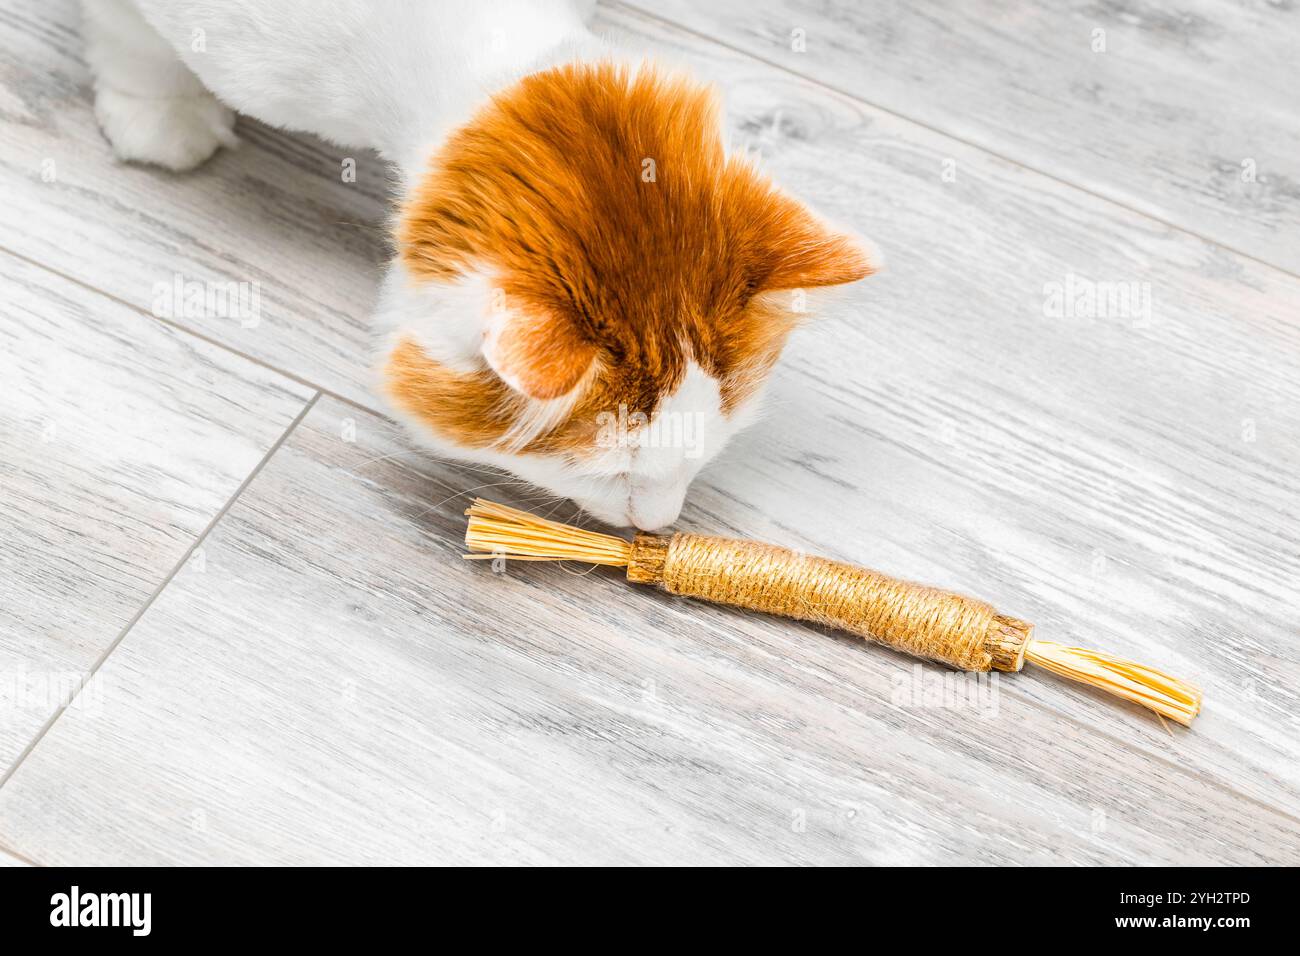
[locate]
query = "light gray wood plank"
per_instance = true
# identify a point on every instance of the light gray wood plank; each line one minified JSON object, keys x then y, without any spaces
{"x":9,"y":860}
{"x":1128,"y":483}
{"x":274,"y":214}
{"x":1185,"y":100}
{"x":120,"y":440}
{"x":338,"y":686}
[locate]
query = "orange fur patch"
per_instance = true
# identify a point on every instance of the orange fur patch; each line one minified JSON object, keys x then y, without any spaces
{"x":478,"y":409}
{"x":542,"y":359}
{"x":604,"y":206}
{"x":475,"y":408}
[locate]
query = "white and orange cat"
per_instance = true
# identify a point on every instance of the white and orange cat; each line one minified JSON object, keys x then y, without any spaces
{"x":574,"y":245}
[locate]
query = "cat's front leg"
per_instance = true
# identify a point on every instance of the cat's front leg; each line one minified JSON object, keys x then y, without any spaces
{"x":148,"y":103}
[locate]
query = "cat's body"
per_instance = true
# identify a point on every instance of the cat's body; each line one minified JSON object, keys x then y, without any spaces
{"x":587,"y":291}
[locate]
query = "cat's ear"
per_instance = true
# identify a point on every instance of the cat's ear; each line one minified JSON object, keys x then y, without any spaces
{"x":538,"y":355}
{"x":796,"y":250}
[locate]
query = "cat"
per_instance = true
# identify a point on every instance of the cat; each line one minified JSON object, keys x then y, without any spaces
{"x":587,"y":289}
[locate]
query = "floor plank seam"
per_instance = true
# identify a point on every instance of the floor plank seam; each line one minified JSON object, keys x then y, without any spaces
{"x":200,"y":336}
{"x":162,"y":586}
{"x":317,"y":677}
{"x":321,"y":390}
{"x":1076,"y":187}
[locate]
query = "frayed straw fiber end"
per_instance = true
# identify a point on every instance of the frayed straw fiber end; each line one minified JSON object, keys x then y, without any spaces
{"x":1168,"y":696}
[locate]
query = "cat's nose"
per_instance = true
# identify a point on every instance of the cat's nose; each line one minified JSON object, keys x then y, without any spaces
{"x":651,"y":524}
{"x":653,"y":514}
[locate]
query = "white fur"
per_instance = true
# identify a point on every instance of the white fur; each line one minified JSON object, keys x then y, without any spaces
{"x":634,"y":481}
{"x":641,"y":478}
{"x":397,"y":77}
{"x":394,"y":76}
{"x":149,"y":105}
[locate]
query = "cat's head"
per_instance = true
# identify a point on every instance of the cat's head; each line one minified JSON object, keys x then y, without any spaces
{"x":590,"y":292}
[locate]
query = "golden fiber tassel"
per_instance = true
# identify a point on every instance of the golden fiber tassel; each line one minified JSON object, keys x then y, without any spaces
{"x":924,"y":621}
{"x":1166,"y":695}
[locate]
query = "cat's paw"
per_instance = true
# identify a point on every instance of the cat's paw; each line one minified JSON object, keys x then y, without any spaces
{"x":177,"y":133}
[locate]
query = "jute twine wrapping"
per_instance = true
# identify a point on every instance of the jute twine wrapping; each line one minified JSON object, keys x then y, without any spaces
{"x":924,"y":621}
{"x":918,"y":620}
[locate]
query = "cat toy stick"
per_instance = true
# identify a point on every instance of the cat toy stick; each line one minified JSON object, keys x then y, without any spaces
{"x":923,"y":621}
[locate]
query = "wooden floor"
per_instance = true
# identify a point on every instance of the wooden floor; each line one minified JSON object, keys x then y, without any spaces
{"x":234,"y":627}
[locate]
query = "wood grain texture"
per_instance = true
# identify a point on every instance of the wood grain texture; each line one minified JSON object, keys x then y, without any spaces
{"x":274,"y":213}
{"x":9,"y":860}
{"x":1124,"y":482}
{"x":1162,"y":121}
{"x":336,"y":686}
{"x":345,"y":689}
{"x":120,"y":440}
